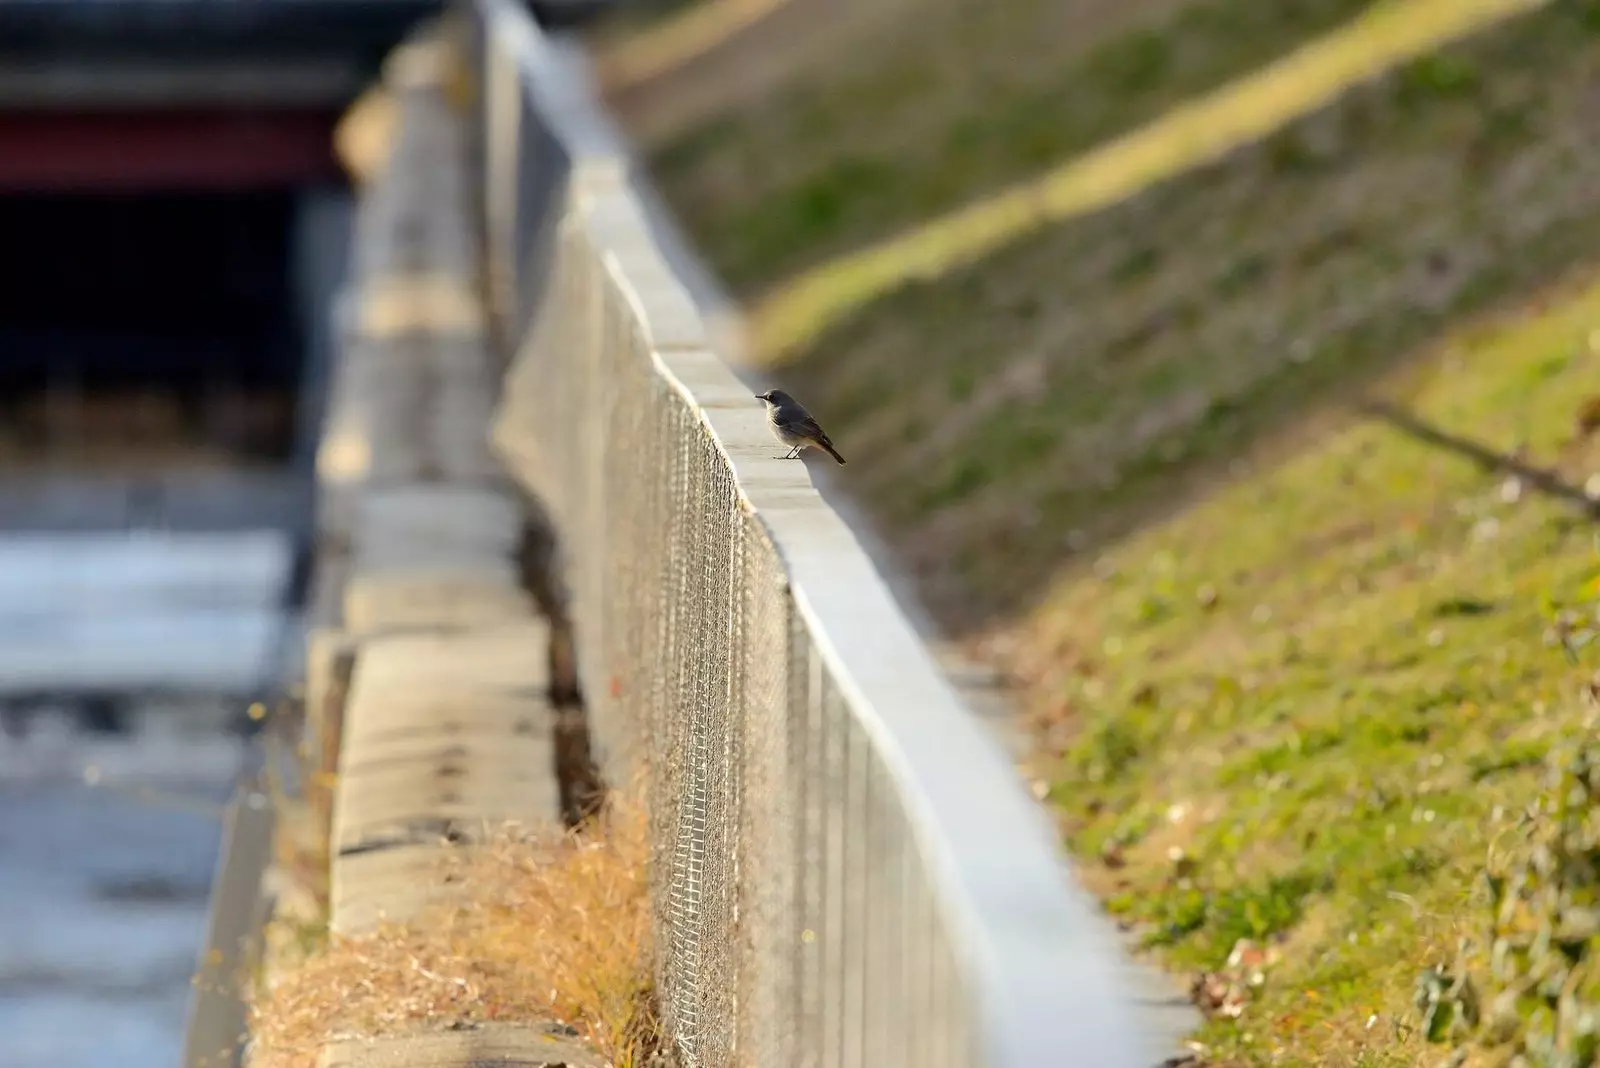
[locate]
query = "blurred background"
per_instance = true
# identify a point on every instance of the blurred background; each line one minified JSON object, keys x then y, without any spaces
{"x":1222,"y":372}
{"x":173,"y":225}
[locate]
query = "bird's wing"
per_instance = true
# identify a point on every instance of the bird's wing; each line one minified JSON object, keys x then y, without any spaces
{"x":810,"y":429}
{"x":806,"y":426}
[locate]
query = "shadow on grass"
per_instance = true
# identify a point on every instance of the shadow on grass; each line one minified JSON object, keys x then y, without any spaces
{"x":944,"y":109}
{"x":1188,"y":135}
{"x":1540,"y":480}
{"x":1088,"y":380}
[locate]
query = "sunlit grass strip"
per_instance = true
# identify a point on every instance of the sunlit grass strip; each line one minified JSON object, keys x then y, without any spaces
{"x":1250,"y":108}
{"x":680,"y":39}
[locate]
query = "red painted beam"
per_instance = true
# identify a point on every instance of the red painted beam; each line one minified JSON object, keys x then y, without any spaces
{"x":165,"y":151}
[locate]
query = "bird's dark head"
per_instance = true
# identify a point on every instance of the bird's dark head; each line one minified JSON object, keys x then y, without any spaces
{"x":775,"y":396}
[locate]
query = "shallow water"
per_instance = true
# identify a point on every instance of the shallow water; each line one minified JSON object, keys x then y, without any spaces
{"x":103,"y":895}
{"x":108,"y":841}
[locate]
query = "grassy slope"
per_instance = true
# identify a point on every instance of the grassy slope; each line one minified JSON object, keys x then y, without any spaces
{"x":1069,"y":386}
{"x":1309,"y":653}
{"x":963,"y":98}
{"x":1321,"y":682}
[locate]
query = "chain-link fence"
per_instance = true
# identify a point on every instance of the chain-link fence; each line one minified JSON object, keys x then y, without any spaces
{"x":847,"y":871}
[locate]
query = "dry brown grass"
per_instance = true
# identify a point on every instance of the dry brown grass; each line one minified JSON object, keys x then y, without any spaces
{"x":551,"y":928}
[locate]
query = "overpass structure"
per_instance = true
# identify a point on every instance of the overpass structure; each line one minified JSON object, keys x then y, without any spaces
{"x":175,"y":226}
{"x":556,"y":547}
{"x":188,"y":143}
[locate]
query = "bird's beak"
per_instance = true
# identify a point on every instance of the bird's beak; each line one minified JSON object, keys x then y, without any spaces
{"x":759,"y":397}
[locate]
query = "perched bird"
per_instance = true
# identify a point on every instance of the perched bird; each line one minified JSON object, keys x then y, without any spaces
{"x":793,"y":426}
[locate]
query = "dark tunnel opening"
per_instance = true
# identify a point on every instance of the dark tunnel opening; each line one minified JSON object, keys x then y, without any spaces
{"x":169,"y":318}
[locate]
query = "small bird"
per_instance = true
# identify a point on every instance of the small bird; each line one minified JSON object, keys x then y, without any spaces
{"x":793,"y":426}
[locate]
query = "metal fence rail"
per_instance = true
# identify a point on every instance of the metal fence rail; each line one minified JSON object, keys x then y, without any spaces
{"x":848,"y":872}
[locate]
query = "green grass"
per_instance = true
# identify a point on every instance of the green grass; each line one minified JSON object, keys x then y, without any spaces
{"x":919,"y":131}
{"x":1287,"y":664}
{"x":1202,"y":129}
{"x":1338,"y":669}
{"x":1072,"y":385}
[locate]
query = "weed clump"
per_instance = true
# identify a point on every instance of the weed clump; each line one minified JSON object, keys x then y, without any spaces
{"x":1540,"y":960}
{"x":552,"y":929}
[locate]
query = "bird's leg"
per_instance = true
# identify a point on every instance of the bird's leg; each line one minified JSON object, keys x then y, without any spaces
{"x":793,"y":453}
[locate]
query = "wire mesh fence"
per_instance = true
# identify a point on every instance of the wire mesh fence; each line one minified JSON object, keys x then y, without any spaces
{"x":847,"y":872}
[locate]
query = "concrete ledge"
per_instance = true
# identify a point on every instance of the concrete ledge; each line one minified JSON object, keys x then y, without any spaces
{"x":389,"y":886}
{"x":408,"y":775}
{"x":440,"y":302}
{"x":412,"y":600}
{"x":428,"y":670}
{"x":502,"y":1046}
